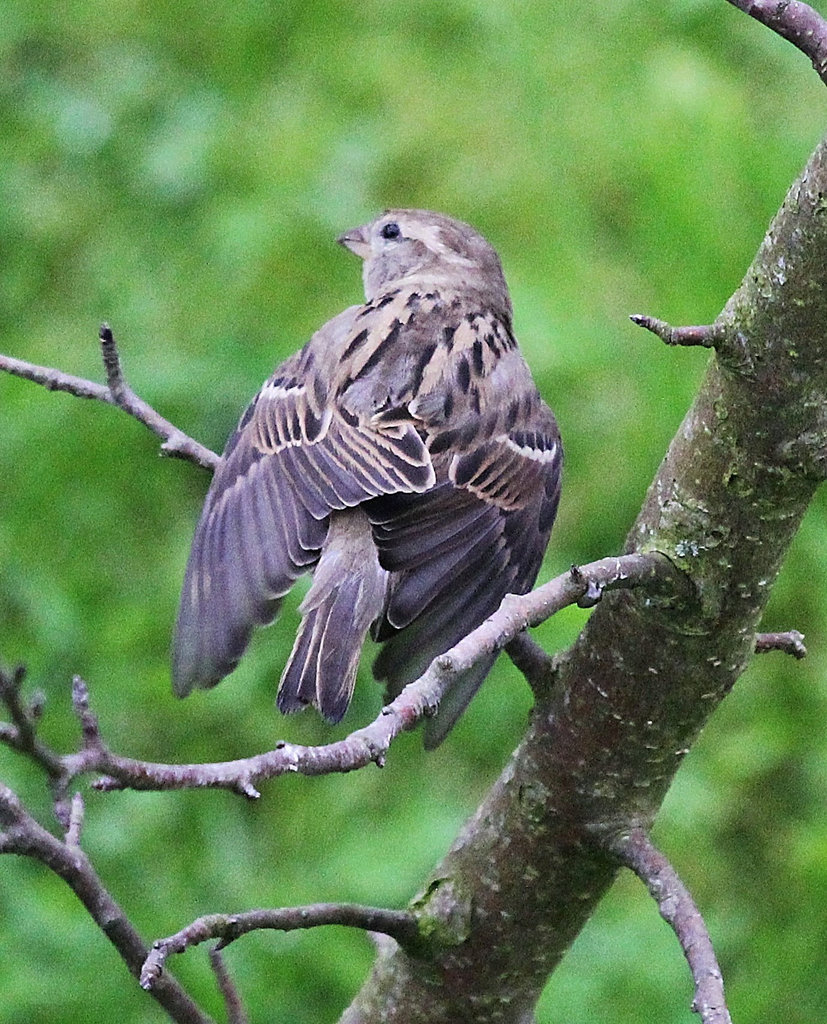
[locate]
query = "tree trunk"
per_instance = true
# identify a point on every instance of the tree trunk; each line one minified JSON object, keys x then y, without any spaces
{"x":635,"y":690}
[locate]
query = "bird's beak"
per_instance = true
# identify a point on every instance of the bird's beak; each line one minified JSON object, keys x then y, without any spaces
{"x":357,"y":240}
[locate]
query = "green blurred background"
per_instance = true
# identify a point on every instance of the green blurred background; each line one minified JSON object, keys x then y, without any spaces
{"x":181,"y":171}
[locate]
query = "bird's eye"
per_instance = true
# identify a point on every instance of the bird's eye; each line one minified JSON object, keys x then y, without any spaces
{"x":390,"y":230}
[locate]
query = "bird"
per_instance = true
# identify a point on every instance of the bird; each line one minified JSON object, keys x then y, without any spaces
{"x":403,"y":457}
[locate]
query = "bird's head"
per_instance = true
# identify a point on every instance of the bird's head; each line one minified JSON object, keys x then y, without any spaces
{"x":430,"y":251}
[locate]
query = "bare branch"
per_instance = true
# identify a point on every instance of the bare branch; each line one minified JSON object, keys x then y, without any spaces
{"x":791,"y":642}
{"x":678,"y":909}
{"x":117,"y":393}
{"x":21,"y":834}
{"x":232,"y":1000}
{"x":176,"y":442}
{"x":796,"y":22}
{"x":398,"y":924}
{"x":371,"y":743}
{"x":76,"y":815}
{"x":536,"y":664}
{"x":89,"y":725}
{"x":702,"y":336}
{"x":21,"y":733}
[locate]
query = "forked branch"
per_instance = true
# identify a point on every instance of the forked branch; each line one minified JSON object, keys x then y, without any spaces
{"x":115,"y":392}
{"x":370,"y":744}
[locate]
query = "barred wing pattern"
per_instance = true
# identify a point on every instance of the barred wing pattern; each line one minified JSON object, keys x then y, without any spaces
{"x":457,"y":550}
{"x":290,"y":463}
{"x":405,"y":457}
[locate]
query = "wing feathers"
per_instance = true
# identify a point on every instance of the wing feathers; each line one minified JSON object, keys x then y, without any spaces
{"x":415,"y":590}
{"x":265,"y":518}
{"x":462,"y":547}
{"x":405,"y":456}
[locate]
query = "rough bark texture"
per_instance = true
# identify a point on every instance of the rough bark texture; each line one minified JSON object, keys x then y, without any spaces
{"x":645,"y":675}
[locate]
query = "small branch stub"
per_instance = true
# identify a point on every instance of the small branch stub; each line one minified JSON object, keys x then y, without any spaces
{"x":702,"y":336}
{"x":791,"y":642}
{"x":112,"y":364}
{"x":592,"y":589}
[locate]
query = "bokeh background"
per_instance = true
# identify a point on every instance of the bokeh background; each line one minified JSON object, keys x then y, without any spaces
{"x":181,"y":171}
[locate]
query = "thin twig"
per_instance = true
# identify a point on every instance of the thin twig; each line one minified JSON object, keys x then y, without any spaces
{"x":176,"y":443}
{"x":112,"y":364}
{"x":76,"y":815}
{"x":21,"y":834}
{"x":232,"y":1000}
{"x":536,"y":664}
{"x":89,"y":725}
{"x":401,"y":925}
{"x":796,"y":22}
{"x":21,"y":733}
{"x":791,"y":642}
{"x":56,"y":380}
{"x":703,"y":336}
{"x":678,"y":909}
{"x":371,"y":743}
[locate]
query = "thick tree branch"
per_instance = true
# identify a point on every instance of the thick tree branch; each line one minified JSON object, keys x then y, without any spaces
{"x":796,"y":22}
{"x":644,"y":676}
{"x":21,"y":834}
{"x":398,"y":924}
{"x":371,"y":743}
{"x":678,"y":909}
{"x":116,"y":392}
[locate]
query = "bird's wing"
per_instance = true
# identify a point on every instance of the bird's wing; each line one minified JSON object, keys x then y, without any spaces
{"x":487,"y":524}
{"x":481,"y":533}
{"x":295,"y":457}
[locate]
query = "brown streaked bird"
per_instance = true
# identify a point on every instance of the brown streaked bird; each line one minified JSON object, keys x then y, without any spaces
{"x":404,"y":457}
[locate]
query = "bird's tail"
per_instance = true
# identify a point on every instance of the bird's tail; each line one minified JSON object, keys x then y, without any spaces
{"x":347,"y":594}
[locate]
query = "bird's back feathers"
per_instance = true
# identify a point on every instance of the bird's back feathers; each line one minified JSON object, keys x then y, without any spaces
{"x":405,"y":457}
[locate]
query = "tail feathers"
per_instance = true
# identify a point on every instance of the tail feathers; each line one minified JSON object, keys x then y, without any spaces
{"x":322,"y":667}
{"x":347,"y":595}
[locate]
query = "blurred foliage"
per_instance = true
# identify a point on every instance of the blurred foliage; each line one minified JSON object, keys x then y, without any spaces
{"x":181,"y":170}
